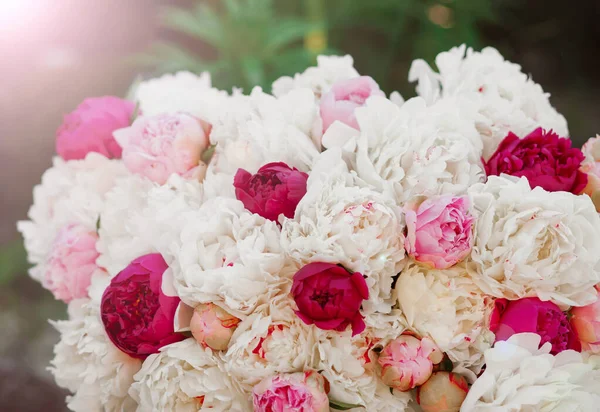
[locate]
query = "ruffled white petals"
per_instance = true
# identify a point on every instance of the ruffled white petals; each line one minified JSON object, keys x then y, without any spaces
{"x":521,"y":377}
{"x":535,"y":243}
{"x":507,"y":99}
{"x":184,"y":377}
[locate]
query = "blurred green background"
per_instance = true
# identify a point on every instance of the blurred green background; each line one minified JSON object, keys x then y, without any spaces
{"x":56,"y":52}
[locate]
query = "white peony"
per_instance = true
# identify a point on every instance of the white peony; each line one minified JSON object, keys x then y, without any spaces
{"x":141,"y":217}
{"x":349,"y":366}
{"x":72,"y":192}
{"x":340,"y":220}
{"x":534,"y":243}
{"x":181,"y":92}
{"x":329,"y":70}
{"x":508,"y":99}
{"x":260,"y":129}
{"x":225,"y":255}
{"x":449,"y":308}
{"x":88,"y":364}
{"x":412,"y":150}
{"x":184,"y":377}
{"x":521,"y":377}
{"x":266,"y":345}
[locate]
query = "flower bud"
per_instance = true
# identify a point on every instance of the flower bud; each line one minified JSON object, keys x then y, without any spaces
{"x":212,"y":326}
{"x":406,"y":362}
{"x":586,"y":325}
{"x":443,"y":392}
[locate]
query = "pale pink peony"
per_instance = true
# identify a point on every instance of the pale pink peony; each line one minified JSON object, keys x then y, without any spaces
{"x":212,"y":326}
{"x":299,"y":392}
{"x":586,"y":324}
{"x":439,"y":230}
{"x":90,"y":127}
{"x":71,"y":263}
{"x":443,"y":392}
{"x":407,"y":362}
{"x":161,"y":145}
{"x":344,"y":98}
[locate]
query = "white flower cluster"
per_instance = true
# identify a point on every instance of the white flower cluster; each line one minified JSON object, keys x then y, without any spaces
{"x":301,"y":235}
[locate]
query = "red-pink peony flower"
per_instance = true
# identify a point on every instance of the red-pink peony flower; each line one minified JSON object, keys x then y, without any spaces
{"x":299,"y":392}
{"x":586,"y":324}
{"x":439,"y":231}
{"x":344,"y":98}
{"x":90,"y":127}
{"x":544,"y":158}
{"x":535,"y":316}
{"x":137,"y":315}
{"x":274,"y":190}
{"x":71,"y":263}
{"x":330,"y":297}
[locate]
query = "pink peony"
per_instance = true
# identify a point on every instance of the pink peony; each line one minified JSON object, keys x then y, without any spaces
{"x":591,"y":167}
{"x":330,"y":297}
{"x":443,"y":392}
{"x":344,"y":98}
{"x":406,"y":362}
{"x":299,"y":392}
{"x":586,"y":324}
{"x":90,"y":127}
{"x":535,"y":316}
{"x":158,"y":146}
{"x":137,"y":315}
{"x":544,"y":158}
{"x":274,"y":190}
{"x":71,"y":263}
{"x":439,"y":231}
{"x":212,"y":326}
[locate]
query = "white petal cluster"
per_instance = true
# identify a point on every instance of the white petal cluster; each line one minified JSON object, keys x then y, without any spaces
{"x":72,"y":192}
{"x":226,"y":255}
{"x":184,"y":377}
{"x":329,"y":70}
{"x":141,"y":217}
{"x":535,"y":243}
{"x":413,"y":150}
{"x":448,"y":307}
{"x":89,"y":365}
{"x":520,"y":376}
{"x":507,"y":99}
{"x":181,"y":92}
{"x":340,"y":220}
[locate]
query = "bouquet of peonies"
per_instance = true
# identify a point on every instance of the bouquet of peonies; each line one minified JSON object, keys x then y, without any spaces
{"x":324,"y":247}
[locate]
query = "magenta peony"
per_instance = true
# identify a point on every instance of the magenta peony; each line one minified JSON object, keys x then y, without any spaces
{"x":71,"y":263}
{"x":212,"y":326}
{"x":90,"y":127}
{"x":586,"y":324}
{"x":544,"y":158}
{"x":137,"y":315}
{"x":330,"y":297}
{"x":158,"y":146}
{"x":274,"y":190}
{"x":300,"y":392}
{"x":535,"y":316}
{"x":344,"y":98}
{"x":406,"y":362}
{"x":439,"y":231}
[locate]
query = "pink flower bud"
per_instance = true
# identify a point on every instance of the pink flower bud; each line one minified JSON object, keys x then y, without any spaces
{"x":406,"y":362}
{"x":586,"y":324}
{"x":443,"y":392}
{"x":212,"y":326}
{"x":301,"y":391}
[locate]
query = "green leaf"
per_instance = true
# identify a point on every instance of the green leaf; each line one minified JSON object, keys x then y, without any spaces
{"x":253,"y":70}
{"x":205,"y":27}
{"x":341,"y":406}
{"x":13,"y":261}
{"x":288,"y":31}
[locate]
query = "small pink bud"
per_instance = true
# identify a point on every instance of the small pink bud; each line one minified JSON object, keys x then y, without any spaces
{"x":212,"y":326}
{"x":586,"y":324}
{"x":443,"y":392}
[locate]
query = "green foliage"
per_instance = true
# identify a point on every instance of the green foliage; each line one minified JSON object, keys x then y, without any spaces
{"x":13,"y":261}
{"x":252,"y":42}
